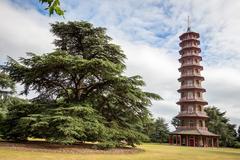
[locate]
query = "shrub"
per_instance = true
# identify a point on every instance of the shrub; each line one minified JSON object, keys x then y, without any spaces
{"x":237,"y":145}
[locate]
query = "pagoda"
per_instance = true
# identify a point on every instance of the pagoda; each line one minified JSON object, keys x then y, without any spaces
{"x":192,"y":130}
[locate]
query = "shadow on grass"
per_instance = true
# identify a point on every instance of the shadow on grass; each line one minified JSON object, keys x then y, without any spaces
{"x":44,"y":146}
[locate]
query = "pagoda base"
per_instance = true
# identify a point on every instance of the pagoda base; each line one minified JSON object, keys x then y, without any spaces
{"x":194,"y":138}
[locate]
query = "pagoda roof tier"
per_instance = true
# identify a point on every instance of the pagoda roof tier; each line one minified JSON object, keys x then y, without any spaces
{"x":193,"y":131}
{"x":196,"y":114}
{"x":185,"y":66}
{"x":190,"y":78}
{"x":185,"y":100}
{"x":191,"y":64}
{"x":190,"y":48}
{"x":187,"y":76}
{"x":181,"y":44}
{"x":184,"y":88}
{"x":186,"y":56}
{"x":188,"y":34}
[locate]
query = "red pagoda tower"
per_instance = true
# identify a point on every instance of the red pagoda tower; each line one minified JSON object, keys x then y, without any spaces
{"x":192,"y":130}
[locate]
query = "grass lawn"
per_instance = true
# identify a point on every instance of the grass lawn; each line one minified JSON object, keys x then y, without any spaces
{"x":152,"y":152}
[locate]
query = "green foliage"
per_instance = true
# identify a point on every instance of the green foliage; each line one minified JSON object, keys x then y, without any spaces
{"x":175,"y":122}
{"x":60,"y":74}
{"x":7,"y":86}
{"x":87,"y":41}
{"x":57,"y":122}
{"x":238,"y":133}
{"x":5,"y":104}
{"x":161,"y":131}
{"x":219,"y":124}
{"x":236,"y":145}
{"x":64,"y":123}
{"x":83,"y":95}
{"x":53,"y":6}
{"x":156,"y":129}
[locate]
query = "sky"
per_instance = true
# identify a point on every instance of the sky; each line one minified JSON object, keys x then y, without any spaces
{"x":148,"y":32}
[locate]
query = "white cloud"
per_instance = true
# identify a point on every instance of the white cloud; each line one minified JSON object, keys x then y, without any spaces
{"x":23,"y":31}
{"x":223,"y":90}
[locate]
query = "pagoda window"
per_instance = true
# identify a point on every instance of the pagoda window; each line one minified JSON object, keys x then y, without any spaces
{"x":189,"y":72}
{"x":200,"y":123}
{"x":189,"y":61}
{"x":190,"y":109}
{"x":183,"y":95}
{"x":183,"y":122}
{"x":182,"y":83}
{"x":191,"y":123}
{"x":198,"y":83}
{"x":189,"y":83}
{"x":190,"y":95}
{"x":196,"y":70}
{"x":184,"y":108}
{"x":198,"y":94}
{"x":199,"y":108}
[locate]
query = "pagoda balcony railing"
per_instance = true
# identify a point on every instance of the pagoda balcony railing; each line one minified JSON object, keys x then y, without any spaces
{"x":189,"y":45}
{"x":190,"y":63}
{"x":190,"y":54}
{"x":191,"y":98}
{"x":193,"y":112}
{"x":192,"y":127}
{"x":190,"y":74}
{"x":189,"y":37}
{"x":191,"y":86}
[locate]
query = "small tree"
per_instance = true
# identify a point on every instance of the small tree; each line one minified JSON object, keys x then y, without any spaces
{"x":161,"y":131}
{"x":157,"y":130}
{"x":219,"y":124}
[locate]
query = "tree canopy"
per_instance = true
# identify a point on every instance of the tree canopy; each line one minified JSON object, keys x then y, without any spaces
{"x":82,"y":92}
